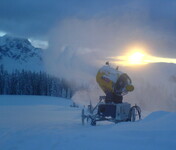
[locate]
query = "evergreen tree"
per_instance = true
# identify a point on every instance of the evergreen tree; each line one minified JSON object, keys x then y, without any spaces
{"x":32,"y":83}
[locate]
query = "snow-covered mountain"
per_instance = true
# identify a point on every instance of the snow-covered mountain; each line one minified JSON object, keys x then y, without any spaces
{"x":18,"y":53}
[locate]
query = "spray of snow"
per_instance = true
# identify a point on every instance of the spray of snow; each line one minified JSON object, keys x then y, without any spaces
{"x":79,"y":47}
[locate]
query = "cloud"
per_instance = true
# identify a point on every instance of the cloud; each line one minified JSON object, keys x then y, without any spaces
{"x":35,"y":18}
{"x":106,"y":37}
{"x":39,"y":43}
{"x":2,"y":33}
{"x":78,"y":47}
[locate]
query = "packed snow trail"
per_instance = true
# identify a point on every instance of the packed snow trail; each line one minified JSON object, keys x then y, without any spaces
{"x":47,"y":123}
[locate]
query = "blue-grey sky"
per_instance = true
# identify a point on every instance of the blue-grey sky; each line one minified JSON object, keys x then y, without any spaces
{"x":38,"y":17}
{"x":152,"y":22}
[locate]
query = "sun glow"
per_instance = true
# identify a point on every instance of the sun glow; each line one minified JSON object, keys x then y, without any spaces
{"x":136,"y":57}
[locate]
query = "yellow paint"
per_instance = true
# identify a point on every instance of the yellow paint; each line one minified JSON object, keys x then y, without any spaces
{"x":130,"y":88}
{"x":105,"y":86}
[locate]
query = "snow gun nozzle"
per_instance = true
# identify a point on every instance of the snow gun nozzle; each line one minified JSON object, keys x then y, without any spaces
{"x":130,"y":88}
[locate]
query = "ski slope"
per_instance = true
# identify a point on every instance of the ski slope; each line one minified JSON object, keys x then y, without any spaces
{"x":48,"y":123}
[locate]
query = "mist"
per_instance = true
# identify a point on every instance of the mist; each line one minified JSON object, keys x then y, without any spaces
{"x":78,"y":47}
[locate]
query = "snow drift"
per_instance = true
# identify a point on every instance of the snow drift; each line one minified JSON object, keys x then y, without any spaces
{"x":38,"y":122}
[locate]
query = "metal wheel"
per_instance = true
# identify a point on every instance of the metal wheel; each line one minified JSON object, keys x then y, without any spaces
{"x":135,"y":113}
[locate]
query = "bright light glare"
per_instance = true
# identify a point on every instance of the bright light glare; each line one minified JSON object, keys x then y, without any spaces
{"x":136,"y":58}
{"x":139,"y":58}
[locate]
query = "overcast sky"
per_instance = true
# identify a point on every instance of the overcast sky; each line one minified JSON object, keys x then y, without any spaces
{"x":94,"y":24}
{"x":38,"y":17}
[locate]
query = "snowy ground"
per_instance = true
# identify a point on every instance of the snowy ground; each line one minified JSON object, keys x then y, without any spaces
{"x":47,"y":123}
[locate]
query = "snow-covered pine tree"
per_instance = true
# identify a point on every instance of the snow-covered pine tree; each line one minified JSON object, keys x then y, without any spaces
{"x":32,"y":83}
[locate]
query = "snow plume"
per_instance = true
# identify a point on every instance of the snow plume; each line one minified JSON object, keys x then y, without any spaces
{"x":155,"y":86}
{"x":78,"y":47}
{"x":89,"y":95}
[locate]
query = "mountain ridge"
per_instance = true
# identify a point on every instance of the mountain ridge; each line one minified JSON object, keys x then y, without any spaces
{"x":18,"y":53}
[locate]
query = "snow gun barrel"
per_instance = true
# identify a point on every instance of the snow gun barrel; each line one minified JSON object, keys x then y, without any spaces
{"x":114,"y":81}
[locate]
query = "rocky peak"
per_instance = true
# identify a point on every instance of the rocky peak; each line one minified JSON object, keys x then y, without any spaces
{"x":18,"y":48}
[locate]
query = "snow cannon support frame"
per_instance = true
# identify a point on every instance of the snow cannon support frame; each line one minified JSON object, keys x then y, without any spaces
{"x":113,"y":112}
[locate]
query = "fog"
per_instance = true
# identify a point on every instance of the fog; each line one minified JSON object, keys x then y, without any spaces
{"x":78,"y":47}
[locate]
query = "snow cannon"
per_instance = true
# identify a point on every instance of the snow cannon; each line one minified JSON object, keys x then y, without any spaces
{"x":114,"y":83}
{"x":110,"y":107}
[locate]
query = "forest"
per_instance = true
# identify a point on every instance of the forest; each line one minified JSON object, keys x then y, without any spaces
{"x":32,"y":83}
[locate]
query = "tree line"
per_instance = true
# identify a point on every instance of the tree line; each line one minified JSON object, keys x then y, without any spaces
{"x":32,"y":83}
